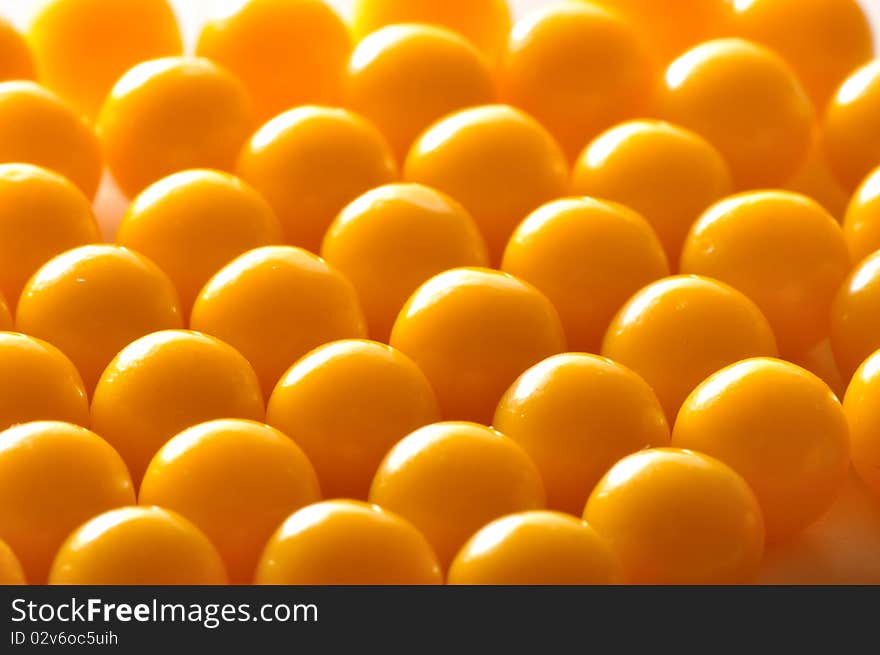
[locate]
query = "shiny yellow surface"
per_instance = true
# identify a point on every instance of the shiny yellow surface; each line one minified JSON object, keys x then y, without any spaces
{"x":665,"y":172}
{"x":496,"y":161}
{"x":677,"y":331}
{"x":855,"y":316}
{"x":43,"y":215}
{"x":861,"y":225}
{"x":37,"y":382}
{"x":782,"y":250}
{"x":310,"y":162}
{"x":588,"y":256}
{"x":137,"y":546}
{"x":236,"y":480}
{"x":575,"y":415}
{"x":11,"y":572}
{"x":346,"y":404}
{"x":405,"y":77}
{"x":578,"y":69}
{"x":94,"y":300}
{"x":816,"y":180}
{"x":822,"y":40}
{"x":287,"y":52}
{"x":678,"y":517}
{"x":852,"y":126}
{"x":395,"y":237}
{"x":276,"y":303}
{"x":535,"y":548}
{"x":781,"y":428}
{"x":82,"y":47}
{"x":171,"y":114}
{"x":450,"y":479}
{"x":345,"y":542}
{"x":193,"y":223}
{"x":484,"y":22}
{"x":862,"y":407}
{"x":746,"y":101}
{"x":165,"y":382}
{"x":473,"y":332}
{"x":38,"y":128}
{"x":16,"y":61}
{"x":53,"y":477}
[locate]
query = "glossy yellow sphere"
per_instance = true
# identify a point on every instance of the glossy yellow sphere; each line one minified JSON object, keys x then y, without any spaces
{"x":678,"y":517}
{"x":782,"y":250}
{"x":861,"y":224}
{"x":646,"y":165}
{"x":861,"y":405}
{"x":345,"y":542}
{"x":746,"y":101}
{"x":575,"y":415}
{"x":395,"y":237}
{"x":450,"y":479}
{"x":16,"y":61}
{"x":473,"y":332}
{"x":677,"y":331}
{"x":781,"y":428}
{"x":855,"y":316}
{"x":588,"y":257}
{"x":496,"y":161}
{"x":11,"y":572}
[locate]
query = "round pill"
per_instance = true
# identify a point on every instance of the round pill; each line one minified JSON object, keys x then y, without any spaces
{"x":855,"y":316}
{"x":16,"y":61}
{"x":11,"y":572}
{"x":862,"y":407}
{"x":861,"y":225}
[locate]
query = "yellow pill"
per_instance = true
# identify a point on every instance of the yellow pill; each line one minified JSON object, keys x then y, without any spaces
{"x":588,"y":257}
{"x":861,"y":404}
{"x":395,"y":237}
{"x":344,"y":542}
{"x":678,"y":517}
{"x":346,"y":404}
{"x":746,"y":101}
{"x":783,"y":251}
{"x":450,"y":479}
{"x":496,"y":161}
{"x":861,"y":224}
{"x":165,"y":382}
{"x":677,"y":331}
{"x":38,"y":128}
{"x":16,"y":61}
{"x":287,"y":52}
{"x":275,"y":304}
{"x":82,"y":47}
{"x":53,"y":477}
{"x":193,"y":223}
{"x":645,"y":165}
{"x":236,"y":480}
{"x":473,"y":332}
{"x":781,"y":428}
{"x":578,"y":69}
{"x":576,"y":415}
{"x":310,"y":162}
{"x":137,"y":546}
{"x":11,"y":572}
{"x":92,"y":301}
{"x":535,"y":548}
{"x":168,"y":115}
{"x":855,"y":316}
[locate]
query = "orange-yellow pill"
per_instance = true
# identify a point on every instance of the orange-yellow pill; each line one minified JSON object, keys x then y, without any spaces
{"x":92,"y":301}
{"x":346,"y":404}
{"x":236,"y":480}
{"x":678,"y":517}
{"x":855,"y":316}
{"x":167,"y":115}
{"x":82,"y":47}
{"x":495,"y":160}
{"x":677,"y":331}
{"x":310,"y":162}
{"x":165,"y":382}
{"x":193,"y":223}
{"x":473,"y":332}
{"x":535,"y":548}
{"x":38,"y":128}
{"x":53,"y":477}
{"x":588,"y":256}
{"x":575,"y":415}
{"x":861,"y":224}
{"x":395,"y":237}
{"x":645,"y":165}
{"x":344,"y":542}
{"x":11,"y":572}
{"x":781,"y":428}
{"x":450,"y":479}
{"x":275,"y":304}
{"x":16,"y":61}
{"x":861,"y":404}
